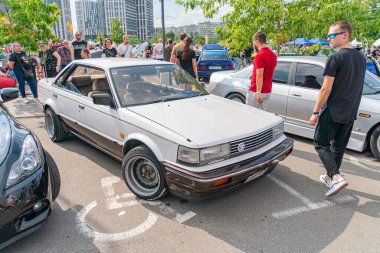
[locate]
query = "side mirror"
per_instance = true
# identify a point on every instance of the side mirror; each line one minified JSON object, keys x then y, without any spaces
{"x":103,"y":99}
{"x":8,"y":94}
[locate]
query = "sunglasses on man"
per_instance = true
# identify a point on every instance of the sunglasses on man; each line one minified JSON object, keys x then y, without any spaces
{"x":333,"y":35}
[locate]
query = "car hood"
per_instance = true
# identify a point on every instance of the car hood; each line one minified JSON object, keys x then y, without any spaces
{"x":376,"y":96}
{"x":208,"y":120}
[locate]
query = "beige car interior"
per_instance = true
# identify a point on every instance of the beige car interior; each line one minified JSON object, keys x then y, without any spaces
{"x":90,"y":81}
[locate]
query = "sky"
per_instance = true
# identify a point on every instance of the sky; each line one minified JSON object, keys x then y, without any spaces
{"x":174,"y":14}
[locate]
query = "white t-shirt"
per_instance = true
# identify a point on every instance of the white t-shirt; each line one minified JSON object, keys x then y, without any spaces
{"x":159,"y":51}
{"x":124,"y":50}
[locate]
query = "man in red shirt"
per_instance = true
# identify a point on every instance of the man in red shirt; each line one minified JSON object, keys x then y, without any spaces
{"x":263,"y":69}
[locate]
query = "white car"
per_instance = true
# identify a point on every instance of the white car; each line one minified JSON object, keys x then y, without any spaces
{"x":170,"y":134}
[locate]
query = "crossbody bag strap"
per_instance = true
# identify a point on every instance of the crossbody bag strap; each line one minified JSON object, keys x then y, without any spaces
{"x":18,"y":59}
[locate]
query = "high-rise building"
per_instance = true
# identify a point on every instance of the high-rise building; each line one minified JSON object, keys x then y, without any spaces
{"x":145,"y":22}
{"x":61,"y":29}
{"x":208,"y":28}
{"x":87,"y":12}
{"x":125,"y":10}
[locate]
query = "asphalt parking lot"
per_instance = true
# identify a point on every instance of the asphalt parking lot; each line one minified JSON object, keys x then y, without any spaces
{"x":283,"y":212}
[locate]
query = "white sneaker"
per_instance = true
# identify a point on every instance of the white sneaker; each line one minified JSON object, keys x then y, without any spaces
{"x":326,"y":180}
{"x":31,"y":99}
{"x":25,"y":101}
{"x":336,"y":186}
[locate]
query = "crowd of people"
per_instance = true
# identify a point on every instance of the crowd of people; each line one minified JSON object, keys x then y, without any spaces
{"x":53,"y":57}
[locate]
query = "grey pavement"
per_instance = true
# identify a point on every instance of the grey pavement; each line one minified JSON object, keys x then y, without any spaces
{"x":285,"y":212}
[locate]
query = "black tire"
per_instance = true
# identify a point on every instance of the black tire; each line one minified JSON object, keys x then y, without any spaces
{"x":375,"y":143}
{"x":54,"y":126}
{"x":143,"y":174}
{"x":237,"y":97}
{"x":54,"y":175}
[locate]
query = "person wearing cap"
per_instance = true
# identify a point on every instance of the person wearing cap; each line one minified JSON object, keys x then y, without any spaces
{"x":50,"y":61}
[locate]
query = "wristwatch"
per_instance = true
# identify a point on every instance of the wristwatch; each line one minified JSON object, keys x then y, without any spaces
{"x":316,"y":113}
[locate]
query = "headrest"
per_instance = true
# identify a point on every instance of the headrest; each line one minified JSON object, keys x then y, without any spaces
{"x":79,"y":81}
{"x":100,"y":85}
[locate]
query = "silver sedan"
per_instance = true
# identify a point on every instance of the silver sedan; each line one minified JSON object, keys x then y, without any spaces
{"x":296,"y":83}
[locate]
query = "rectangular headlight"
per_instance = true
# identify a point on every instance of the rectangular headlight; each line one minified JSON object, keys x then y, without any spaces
{"x":278,"y":130}
{"x":188,"y":155}
{"x":211,"y":153}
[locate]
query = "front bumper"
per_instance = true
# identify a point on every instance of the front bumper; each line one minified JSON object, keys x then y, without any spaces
{"x":18,"y":214}
{"x":193,"y":185}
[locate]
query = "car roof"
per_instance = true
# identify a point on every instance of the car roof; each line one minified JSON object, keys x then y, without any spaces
{"x":305,"y":59}
{"x":214,"y":50}
{"x":119,"y":62}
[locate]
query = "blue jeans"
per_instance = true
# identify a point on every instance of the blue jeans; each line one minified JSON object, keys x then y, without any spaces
{"x":21,"y":83}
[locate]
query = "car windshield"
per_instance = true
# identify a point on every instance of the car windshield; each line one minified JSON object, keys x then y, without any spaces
{"x":371,"y":84}
{"x":141,"y":85}
{"x":214,"y":55}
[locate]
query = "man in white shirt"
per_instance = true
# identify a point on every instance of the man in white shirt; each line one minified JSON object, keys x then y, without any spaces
{"x":158,"y":52}
{"x":125,"y":50}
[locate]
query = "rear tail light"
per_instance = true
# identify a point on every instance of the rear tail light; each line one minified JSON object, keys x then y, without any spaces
{"x":229,"y":67}
{"x":201,"y":67}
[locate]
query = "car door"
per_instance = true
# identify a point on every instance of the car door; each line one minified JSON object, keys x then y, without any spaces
{"x":302,"y":97}
{"x":66,"y":99}
{"x":103,"y":127}
{"x":280,"y":89}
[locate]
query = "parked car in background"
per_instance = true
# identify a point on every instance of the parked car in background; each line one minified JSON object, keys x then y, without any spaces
{"x":169,"y":133}
{"x":29,"y":178}
{"x":213,"y":60}
{"x":373,"y":66}
{"x":296,"y":83}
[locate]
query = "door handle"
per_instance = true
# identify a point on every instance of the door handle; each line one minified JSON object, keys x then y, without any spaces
{"x":296,"y":94}
{"x":81,"y":107}
{"x":54,"y":95}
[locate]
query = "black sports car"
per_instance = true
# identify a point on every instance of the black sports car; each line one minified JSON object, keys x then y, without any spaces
{"x":29,"y":178}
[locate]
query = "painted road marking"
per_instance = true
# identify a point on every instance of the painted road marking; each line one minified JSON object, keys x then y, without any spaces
{"x":356,"y":162}
{"x":309,"y":205}
{"x":90,"y":233}
{"x":318,"y":205}
{"x":112,"y":201}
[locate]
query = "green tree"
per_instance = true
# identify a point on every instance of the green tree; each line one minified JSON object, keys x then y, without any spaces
{"x":27,"y":22}
{"x":133,"y":40}
{"x":100,"y":37}
{"x":199,"y":39}
{"x":116,"y":32}
{"x":170,"y":35}
{"x":284,"y":20}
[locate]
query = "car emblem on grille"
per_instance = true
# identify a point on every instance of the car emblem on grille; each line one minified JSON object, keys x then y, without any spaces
{"x":241,"y":147}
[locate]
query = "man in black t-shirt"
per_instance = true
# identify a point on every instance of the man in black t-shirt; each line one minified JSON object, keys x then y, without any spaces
{"x":77,"y":45}
{"x":337,"y":105}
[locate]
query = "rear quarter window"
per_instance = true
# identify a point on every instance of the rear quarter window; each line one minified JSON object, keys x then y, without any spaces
{"x":215,"y":55}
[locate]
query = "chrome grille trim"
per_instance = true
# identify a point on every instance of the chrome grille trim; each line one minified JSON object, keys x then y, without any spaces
{"x":251,"y":143}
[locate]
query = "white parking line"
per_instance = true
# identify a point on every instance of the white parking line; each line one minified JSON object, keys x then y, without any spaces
{"x":309,"y":205}
{"x":356,"y":162}
{"x":318,"y":205}
{"x":292,"y":191}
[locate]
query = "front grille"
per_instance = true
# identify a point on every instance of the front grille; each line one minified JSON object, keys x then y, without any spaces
{"x":251,"y":143}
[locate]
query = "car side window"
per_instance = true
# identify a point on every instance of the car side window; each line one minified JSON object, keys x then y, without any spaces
{"x":309,"y":76}
{"x":87,"y":81}
{"x":281,"y":73}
